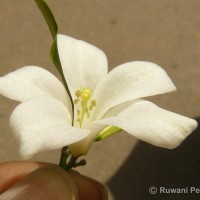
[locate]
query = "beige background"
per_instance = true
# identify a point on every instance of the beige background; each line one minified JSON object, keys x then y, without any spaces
{"x":166,"y":32}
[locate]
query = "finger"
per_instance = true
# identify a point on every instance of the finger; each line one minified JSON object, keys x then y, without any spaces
{"x":11,"y":172}
{"x":50,"y":182}
{"x":89,"y":188}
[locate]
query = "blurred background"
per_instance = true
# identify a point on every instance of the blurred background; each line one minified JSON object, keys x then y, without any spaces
{"x":164,"y":32}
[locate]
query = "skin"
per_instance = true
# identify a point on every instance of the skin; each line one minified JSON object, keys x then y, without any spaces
{"x":35,"y":181}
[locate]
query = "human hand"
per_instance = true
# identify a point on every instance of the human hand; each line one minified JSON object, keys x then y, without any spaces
{"x":42,"y":181}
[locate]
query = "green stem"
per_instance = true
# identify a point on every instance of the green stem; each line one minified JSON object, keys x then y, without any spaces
{"x":68,"y":161}
{"x":63,"y":158}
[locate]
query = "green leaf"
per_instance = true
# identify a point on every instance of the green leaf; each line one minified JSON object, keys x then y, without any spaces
{"x":48,"y":16}
{"x":55,"y":57}
{"x":56,"y":61}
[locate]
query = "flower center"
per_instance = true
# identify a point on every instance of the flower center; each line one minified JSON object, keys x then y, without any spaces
{"x":84,"y":105}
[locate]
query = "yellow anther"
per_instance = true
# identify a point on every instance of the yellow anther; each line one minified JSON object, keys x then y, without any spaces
{"x":76,"y":101}
{"x":78,"y":112}
{"x":93,"y":103}
{"x":90,"y":107}
{"x":78,"y":93}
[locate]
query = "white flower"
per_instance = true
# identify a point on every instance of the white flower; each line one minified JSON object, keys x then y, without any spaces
{"x":43,"y":120}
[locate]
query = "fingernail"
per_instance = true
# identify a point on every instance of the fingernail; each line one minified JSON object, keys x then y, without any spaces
{"x":45,"y":183}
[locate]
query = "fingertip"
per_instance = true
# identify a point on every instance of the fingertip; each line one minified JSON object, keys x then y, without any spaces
{"x":39,"y":176}
{"x":89,"y":188}
{"x":11,"y":172}
{"x":49,"y":182}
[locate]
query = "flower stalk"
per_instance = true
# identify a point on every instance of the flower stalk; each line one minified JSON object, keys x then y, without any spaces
{"x":68,"y":161}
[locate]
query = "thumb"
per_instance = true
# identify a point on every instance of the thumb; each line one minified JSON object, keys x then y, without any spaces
{"x":49,"y":182}
{"x":53,"y":183}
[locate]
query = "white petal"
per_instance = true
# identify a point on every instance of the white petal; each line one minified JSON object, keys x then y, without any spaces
{"x":152,"y":124}
{"x":82,"y":147}
{"x":83,"y":65}
{"x":114,"y":111}
{"x":32,"y":81}
{"x":43,"y":123}
{"x":128,"y":82}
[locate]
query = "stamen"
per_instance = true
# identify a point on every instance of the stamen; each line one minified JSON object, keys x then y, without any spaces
{"x":76,"y":101}
{"x":78,"y":93}
{"x":83,"y":99}
{"x":90,"y":107}
{"x":78,"y":112}
{"x":93,"y":102}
